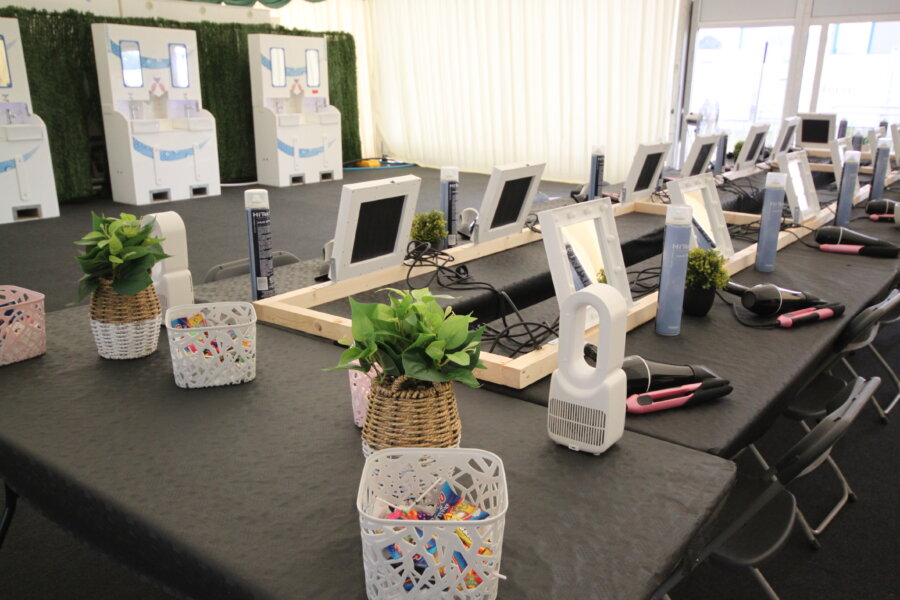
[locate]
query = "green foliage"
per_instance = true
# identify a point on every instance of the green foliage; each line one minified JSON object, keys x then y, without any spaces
{"x":430,"y":227}
{"x":121,"y":250}
{"x":62,"y":75}
{"x":737,"y":148}
{"x":706,"y":270}
{"x":413,"y":336}
{"x":601,"y":276}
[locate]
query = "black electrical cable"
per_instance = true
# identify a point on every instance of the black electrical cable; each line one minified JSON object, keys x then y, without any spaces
{"x":531,"y":336}
{"x":645,"y":281}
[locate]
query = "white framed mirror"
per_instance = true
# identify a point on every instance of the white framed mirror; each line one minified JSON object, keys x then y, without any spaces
{"x":710,"y":229}
{"x":132,"y":73}
{"x":583,"y":248}
{"x":178,"y":66}
{"x":277,"y":65}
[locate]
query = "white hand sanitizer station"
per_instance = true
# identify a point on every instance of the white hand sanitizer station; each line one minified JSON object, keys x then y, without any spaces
{"x":297,"y":131}
{"x":27,"y":189}
{"x":160,"y":142}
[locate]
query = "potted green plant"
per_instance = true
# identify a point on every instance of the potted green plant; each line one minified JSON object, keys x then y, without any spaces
{"x":430,"y":227}
{"x":125,"y":313}
{"x":705,"y":274}
{"x":417,"y":350}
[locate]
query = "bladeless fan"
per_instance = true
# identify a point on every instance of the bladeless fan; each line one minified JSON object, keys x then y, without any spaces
{"x":586,"y":411}
{"x":171,"y":276}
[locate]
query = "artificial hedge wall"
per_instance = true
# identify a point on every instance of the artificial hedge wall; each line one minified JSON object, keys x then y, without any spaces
{"x":62,"y":74}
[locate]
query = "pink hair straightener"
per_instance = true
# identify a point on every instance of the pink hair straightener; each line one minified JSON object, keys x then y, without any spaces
{"x":674,"y":397}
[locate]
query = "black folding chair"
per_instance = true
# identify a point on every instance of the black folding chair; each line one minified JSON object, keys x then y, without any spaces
{"x":759,"y":513}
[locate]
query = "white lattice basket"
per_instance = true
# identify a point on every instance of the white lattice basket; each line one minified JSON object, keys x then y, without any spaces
{"x":458,"y":560}
{"x":217,"y":347}
{"x":124,"y":341}
{"x":22,"y":332}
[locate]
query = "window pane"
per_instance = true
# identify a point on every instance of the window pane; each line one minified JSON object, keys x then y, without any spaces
{"x":860,"y":71}
{"x":131,"y":64}
{"x":276,"y":61}
{"x":740,"y":77}
{"x":312,"y":68}
{"x":178,"y":65}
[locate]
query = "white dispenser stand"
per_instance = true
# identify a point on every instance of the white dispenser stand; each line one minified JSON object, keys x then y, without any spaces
{"x":27,"y":188}
{"x":160,"y":142}
{"x":586,"y":411}
{"x":297,"y":131}
{"x":171,"y":276}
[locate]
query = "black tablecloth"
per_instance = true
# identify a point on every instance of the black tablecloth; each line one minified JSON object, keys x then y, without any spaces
{"x":248,"y":491}
{"x":764,"y":366}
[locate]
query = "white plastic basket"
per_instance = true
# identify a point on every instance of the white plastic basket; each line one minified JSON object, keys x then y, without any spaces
{"x":406,"y":559}
{"x":217,"y":348}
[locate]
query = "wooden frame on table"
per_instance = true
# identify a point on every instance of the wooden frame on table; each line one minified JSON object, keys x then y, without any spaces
{"x":296,"y":310}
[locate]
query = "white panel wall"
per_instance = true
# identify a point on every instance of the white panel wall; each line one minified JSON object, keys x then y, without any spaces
{"x":712,"y":11}
{"x":194,"y":11}
{"x":176,"y":10}
{"x":846,"y":8}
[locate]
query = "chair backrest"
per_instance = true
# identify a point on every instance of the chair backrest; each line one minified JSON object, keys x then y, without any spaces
{"x":814,"y":448}
{"x":864,"y":326}
{"x":239,"y":267}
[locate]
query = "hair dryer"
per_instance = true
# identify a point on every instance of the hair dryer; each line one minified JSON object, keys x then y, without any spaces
{"x":844,"y":235}
{"x":843,"y":240}
{"x":767,"y":299}
{"x":645,"y":375}
{"x":881,"y":207}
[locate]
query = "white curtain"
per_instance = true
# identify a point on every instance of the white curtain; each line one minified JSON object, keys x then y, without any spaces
{"x":478,"y":83}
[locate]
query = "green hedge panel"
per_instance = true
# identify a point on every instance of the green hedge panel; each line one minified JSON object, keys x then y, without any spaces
{"x":62,"y":75}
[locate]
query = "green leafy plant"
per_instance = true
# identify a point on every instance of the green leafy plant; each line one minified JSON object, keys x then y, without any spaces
{"x":430,"y":227}
{"x":413,"y":336}
{"x":706,"y":270}
{"x":601,"y":276}
{"x":120,"y":250}
{"x":737,"y":148}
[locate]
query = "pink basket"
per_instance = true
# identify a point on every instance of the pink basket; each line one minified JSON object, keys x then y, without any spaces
{"x":359,"y":394}
{"x":22,"y":332}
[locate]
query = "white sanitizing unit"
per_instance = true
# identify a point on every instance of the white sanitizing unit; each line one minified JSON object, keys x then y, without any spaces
{"x":297,"y":131}
{"x":586,"y":410}
{"x":160,"y":142}
{"x":27,"y":189}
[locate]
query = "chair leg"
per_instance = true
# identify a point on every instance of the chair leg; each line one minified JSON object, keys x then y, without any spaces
{"x":759,"y":457}
{"x":764,"y":583}
{"x":807,"y":530}
{"x":892,"y":374}
{"x":847,"y":496}
{"x":872,"y":399}
{"x":8,"y":512}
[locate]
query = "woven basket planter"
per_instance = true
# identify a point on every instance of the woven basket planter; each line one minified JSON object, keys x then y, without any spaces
{"x":408,"y":413}
{"x":22,"y":333}
{"x":125,"y":327}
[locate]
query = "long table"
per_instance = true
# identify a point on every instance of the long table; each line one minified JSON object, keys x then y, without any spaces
{"x":765,"y":366}
{"x":521,"y":272}
{"x":248,"y":491}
